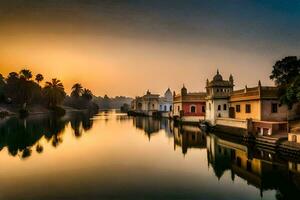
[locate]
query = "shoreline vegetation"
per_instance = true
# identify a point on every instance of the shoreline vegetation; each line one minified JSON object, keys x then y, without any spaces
{"x":23,"y":95}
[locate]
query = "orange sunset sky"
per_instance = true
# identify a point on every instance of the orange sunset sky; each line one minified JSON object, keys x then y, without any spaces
{"x":127,"y":47}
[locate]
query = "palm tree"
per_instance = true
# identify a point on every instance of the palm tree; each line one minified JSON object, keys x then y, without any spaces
{"x":87,"y":94}
{"x":12,"y":75}
{"x":26,"y":74}
{"x":76,"y":90}
{"x":39,"y":78}
{"x":54,"y":92}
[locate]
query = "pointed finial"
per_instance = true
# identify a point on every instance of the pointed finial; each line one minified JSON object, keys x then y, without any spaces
{"x":259,"y":83}
{"x":217,"y":71}
{"x":231,"y":78}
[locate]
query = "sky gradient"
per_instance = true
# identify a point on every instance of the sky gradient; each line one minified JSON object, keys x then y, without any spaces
{"x":120,"y":47}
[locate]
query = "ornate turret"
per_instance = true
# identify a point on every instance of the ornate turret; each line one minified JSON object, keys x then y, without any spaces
{"x":218,"y":77}
{"x":231,"y":79}
{"x":168,"y":94}
{"x":183,"y":90}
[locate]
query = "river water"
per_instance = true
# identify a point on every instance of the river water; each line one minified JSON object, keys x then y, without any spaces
{"x":112,"y":156}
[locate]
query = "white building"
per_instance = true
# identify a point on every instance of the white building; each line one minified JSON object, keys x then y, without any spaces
{"x":153,"y":103}
{"x":218,"y":92}
{"x":166,"y":102}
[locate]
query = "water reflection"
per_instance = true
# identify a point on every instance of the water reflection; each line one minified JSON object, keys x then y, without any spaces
{"x":152,"y":126}
{"x":22,"y":136}
{"x":112,"y":155}
{"x":264,"y":170}
{"x":261,"y":169}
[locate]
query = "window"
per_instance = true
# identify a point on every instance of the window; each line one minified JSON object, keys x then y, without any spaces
{"x":217,"y":90}
{"x":165,"y":108}
{"x":219,"y":107}
{"x":170,"y":108}
{"x":178,"y":108}
{"x":203,"y":108}
{"x":249,"y":166}
{"x":294,"y":138}
{"x":153,"y":106}
{"x":224,"y":107}
{"x":209,"y":106}
{"x":248,"y":108}
{"x":274,"y":107}
{"x":238,"y":108}
{"x":193,"y":109}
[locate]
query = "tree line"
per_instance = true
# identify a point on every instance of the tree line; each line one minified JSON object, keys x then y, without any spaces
{"x":23,"y":90}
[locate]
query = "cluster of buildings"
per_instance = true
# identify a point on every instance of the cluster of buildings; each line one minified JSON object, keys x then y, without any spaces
{"x":256,"y":110}
{"x":152,"y":104}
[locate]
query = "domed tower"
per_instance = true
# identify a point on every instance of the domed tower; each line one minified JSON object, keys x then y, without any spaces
{"x":168,"y":95}
{"x":218,"y":91}
{"x":183,"y":91}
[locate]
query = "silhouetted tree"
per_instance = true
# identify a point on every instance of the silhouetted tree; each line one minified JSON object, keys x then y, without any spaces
{"x":54,"y":92}
{"x":2,"y":85}
{"x":25,"y":74}
{"x":77,"y":90}
{"x":39,"y":78}
{"x":87,"y":94}
{"x":286,"y":74}
{"x":11,"y":89}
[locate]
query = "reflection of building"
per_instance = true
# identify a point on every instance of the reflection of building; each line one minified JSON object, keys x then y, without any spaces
{"x":152,"y":103}
{"x":261,"y":169}
{"x":189,"y":106}
{"x":188,"y":137}
{"x":151,"y":125}
{"x":218,"y":91}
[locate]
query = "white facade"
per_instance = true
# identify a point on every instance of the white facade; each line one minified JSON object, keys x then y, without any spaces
{"x":217,"y":100}
{"x":166,"y":102}
{"x":216,"y":108}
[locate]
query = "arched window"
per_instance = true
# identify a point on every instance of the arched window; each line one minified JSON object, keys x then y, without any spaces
{"x":219,"y":107}
{"x":153,"y":106}
{"x":209,"y":106}
{"x":178,"y":108}
{"x":165,"y":108}
{"x":294,"y":138}
{"x":193,"y":109}
{"x":224,"y":107}
{"x":170,"y":108}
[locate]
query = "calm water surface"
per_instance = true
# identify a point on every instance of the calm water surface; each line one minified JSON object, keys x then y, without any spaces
{"x":112,"y":156}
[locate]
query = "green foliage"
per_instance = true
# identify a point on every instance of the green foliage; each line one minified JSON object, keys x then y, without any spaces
{"x":2,"y":85}
{"x":25,"y":74}
{"x":81,"y":99}
{"x":39,"y":78}
{"x":77,"y":90}
{"x":87,"y":94}
{"x":54,"y":93}
{"x":286,"y":74}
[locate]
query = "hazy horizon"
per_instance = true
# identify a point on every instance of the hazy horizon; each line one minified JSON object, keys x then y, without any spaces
{"x":123,"y":48}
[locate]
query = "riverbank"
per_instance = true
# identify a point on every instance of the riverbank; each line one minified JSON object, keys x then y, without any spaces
{"x":10,"y":110}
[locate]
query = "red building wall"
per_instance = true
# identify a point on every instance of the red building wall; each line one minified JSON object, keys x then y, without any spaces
{"x":186,"y":107}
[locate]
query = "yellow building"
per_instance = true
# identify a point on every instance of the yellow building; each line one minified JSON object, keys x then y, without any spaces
{"x":258,"y":103}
